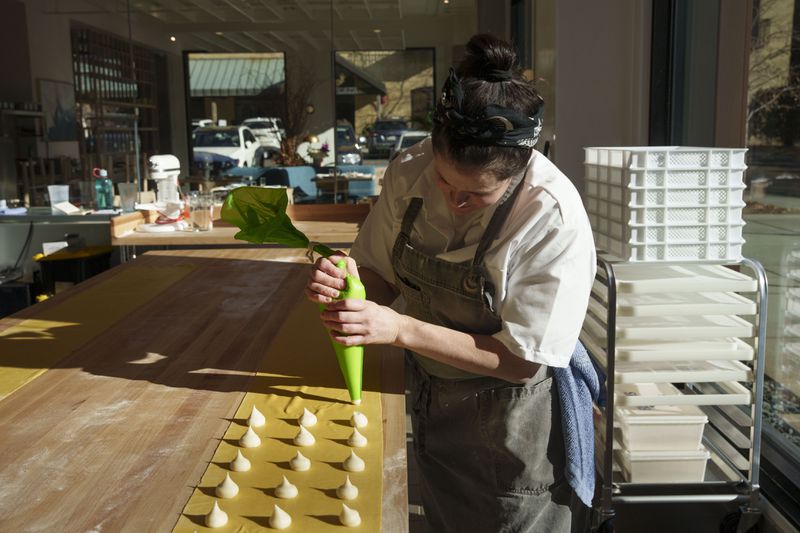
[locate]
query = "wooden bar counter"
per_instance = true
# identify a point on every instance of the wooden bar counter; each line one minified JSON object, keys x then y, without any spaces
{"x":117,"y":433}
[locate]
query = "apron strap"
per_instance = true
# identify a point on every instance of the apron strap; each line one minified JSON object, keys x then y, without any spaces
{"x":499,"y":217}
{"x":410,"y":215}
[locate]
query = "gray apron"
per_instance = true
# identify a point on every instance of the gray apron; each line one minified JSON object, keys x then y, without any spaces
{"x":490,"y":453}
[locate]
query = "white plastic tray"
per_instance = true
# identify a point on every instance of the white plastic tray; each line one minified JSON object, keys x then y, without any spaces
{"x":731,"y":349}
{"x":680,"y":303}
{"x":682,"y":372}
{"x":671,"y":328}
{"x":649,"y":278}
{"x":640,"y":394}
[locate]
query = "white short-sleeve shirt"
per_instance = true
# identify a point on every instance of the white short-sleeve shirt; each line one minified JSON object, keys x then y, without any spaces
{"x":542,"y":263}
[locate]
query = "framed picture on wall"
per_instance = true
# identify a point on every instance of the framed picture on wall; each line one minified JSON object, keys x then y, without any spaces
{"x":58,"y":106}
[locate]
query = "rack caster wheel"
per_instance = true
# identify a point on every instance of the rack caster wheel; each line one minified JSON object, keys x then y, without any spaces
{"x":606,"y":527}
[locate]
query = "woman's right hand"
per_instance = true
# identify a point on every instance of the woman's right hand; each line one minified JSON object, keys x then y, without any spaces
{"x":326,"y":279}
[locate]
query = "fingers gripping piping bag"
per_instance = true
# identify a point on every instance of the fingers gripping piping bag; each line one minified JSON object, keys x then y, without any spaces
{"x":260,"y":215}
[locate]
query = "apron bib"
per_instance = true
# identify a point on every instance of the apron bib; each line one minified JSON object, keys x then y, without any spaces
{"x":490,"y":453}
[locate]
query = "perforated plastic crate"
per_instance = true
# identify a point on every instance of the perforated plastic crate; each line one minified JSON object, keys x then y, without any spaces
{"x":629,"y":196}
{"x":670,"y":251}
{"x":667,"y":233}
{"x":665,"y":157}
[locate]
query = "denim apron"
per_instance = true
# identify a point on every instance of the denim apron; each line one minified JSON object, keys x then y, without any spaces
{"x":490,"y":453}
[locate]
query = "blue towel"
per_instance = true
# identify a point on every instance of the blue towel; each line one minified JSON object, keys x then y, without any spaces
{"x":578,"y":386}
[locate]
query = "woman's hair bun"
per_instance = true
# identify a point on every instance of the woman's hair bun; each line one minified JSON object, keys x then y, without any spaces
{"x":485,"y":53}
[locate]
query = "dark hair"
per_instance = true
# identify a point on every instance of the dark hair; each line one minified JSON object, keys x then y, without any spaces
{"x":484,"y":54}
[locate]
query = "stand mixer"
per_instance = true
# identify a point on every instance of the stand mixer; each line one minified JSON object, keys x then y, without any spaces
{"x":164,"y":170}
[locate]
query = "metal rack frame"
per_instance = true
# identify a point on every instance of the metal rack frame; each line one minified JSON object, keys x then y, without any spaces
{"x":723,"y":438}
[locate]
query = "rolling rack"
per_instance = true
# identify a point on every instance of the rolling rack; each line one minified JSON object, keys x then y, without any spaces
{"x":732,"y":434}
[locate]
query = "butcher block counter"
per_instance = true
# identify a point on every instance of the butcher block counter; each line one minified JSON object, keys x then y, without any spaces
{"x":115,"y":395}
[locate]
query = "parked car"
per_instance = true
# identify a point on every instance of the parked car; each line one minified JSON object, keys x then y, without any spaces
{"x":219,"y":148}
{"x":384,"y":135}
{"x":408,"y":139}
{"x":348,"y":150}
{"x":267,"y":131}
{"x":201,"y":122}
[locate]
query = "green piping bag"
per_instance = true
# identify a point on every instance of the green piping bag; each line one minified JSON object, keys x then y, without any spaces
{"x":260,"y":215}
{"x":351,"y":358}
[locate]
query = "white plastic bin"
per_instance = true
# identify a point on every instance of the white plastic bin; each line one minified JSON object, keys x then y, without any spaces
{"x":665,"y":157}
{"x":664,"y":466}
{"x":661,"y":428}
{"x":680,"y":251}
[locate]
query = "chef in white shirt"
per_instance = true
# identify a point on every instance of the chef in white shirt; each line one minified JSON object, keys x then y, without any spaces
{"x":490,"y":248}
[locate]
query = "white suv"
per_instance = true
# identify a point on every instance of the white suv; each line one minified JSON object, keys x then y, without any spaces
{"x":267,"y":130}
{"x":223,"y":147}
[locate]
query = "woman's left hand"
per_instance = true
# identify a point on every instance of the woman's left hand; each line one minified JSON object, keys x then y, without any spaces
{"x":352,"y":322}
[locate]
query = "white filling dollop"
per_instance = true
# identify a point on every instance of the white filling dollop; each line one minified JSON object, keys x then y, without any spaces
{"x":227,"y":489}
{"x":217,"y":517}
{"x":357,"y":440}
{"x":300,"y":463}
{"x":307,"y":419}
{"x":349,"y":517}
{"x":240,"y":463}
{"x":353,"y":463}
{"x":280,"y":519}
{"x":358,"y":420}
{"x":249,"y":439}
{"x":285,"y":490}
{"x":347,"y":491}
{"x":304,"y":437}
{"x":256,"y":419}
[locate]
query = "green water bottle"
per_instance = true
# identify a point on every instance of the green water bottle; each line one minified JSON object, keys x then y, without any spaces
{"x":103,"y":188}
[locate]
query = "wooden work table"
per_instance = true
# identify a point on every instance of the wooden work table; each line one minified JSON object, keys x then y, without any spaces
{"x":117,"y":433}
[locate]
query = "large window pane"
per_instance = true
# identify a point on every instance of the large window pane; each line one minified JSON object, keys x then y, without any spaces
{"x":773,"y":205}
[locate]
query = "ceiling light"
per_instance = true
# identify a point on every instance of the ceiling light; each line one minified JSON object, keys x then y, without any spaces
{"x":172,"y":38}
{"x":377,"y":30}
{"x":446,"y":1}
{"x":218,"y":33}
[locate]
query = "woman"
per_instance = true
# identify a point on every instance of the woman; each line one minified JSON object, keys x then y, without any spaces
{"x":490,"y":247}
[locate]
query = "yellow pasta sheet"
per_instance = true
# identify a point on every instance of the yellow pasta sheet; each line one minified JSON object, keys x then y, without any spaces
{"x":33,"y":346}
{"x":299,"y":370}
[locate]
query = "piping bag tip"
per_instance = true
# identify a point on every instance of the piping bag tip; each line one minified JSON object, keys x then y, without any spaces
{"x":357,"y":402}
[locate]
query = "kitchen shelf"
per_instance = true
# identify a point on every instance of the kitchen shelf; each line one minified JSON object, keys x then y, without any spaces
{"x":669,"y":335}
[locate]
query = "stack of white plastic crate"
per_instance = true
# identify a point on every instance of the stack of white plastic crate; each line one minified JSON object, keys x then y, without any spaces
{"x":666,"y":203}
{"x":667,"y":212}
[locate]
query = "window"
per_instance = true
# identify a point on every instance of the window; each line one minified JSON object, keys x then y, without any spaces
{"x":772,"y":232}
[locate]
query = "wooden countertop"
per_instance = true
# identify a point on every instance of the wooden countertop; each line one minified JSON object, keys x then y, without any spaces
{"x":103,"y":440}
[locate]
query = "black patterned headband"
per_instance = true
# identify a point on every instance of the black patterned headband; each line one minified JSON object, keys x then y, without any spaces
{"x":499,"y":126}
